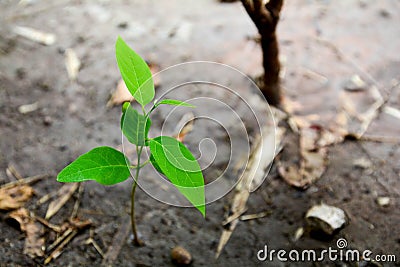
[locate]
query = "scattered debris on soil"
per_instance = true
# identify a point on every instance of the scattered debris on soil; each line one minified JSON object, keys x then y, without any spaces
{"x":313,"y":160}
{"x":359,"y":109}
{"x":72,"y":63}
{"x":383,"y":201}
{"x":68,"y":231}
{"x":15,"y":197}
{"x":355,"y":83}
{"x":63,"y":195}
{"x":28,"y":108}
{"x":34,"y":241}
{"x":118,"y":241}
{"x":325,"y":218}
{"x":181,"y":256}
{"x":35,"y":35}
{"x":120,"y":95}
{"x":260,"y":158}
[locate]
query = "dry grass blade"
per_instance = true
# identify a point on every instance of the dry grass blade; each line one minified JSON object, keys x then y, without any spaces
{"x":64,"y":194}
{"x":59,"y":250}
{"x":78,"y":201}
{"x":27,"y":180}
{"x":53,"y":227}
{"x":91,"y":241}
{"x":11,"y":170}
{"x":35,"y":35}
{"x":46,"y":197}
{"x":233,"y":217}
{"x":72,"y":229}
{"x":254,"y":216}
{"x":60,"y":239}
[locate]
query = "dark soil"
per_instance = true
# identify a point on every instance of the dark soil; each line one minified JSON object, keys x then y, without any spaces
{"x":329,"y":39}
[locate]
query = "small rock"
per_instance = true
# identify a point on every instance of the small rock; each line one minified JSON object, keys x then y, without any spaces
{"x":355,"y":83}
{"x":123,"y":25}
{"x":384,"y":13}
{"x":72,"y":63}
{"x":47,"y":121}
{"x":362,"y":163}
{"x":326,"y":218}
{"x":181,"y":256}
{"x":24,"y":109}
{"x":383,"y":201}
{"x":20,"y":73}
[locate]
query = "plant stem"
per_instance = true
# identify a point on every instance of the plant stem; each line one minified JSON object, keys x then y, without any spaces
{"x":136,"y":239}
{"x":141,"y":166}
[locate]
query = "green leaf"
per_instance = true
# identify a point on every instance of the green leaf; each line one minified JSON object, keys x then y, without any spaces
{"x":135,"y":126}
{"x":178,"y":164}
{"x":135,"y":73}
{"x":173,"y":102}
{"x":104,"y":164}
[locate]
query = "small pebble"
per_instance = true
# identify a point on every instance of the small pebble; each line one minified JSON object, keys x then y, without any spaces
{"x":329,"y":219}
{"x":383,"y":201}
{"x":20,"y":73}
{"x":384,"y":13}
{"x":24,"y":109}
{"x":355,"y":83}
{"x":362,"y":163}
{"x":123,"y":25}
{"x":47,"y":121}
{"x":181,"y":256}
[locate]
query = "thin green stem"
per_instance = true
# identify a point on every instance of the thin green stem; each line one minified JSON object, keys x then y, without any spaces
{"x":136,"y":239}
{"x":141,"y":166}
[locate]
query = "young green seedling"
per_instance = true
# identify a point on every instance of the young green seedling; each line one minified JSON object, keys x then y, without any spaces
{"x":170,"y":157}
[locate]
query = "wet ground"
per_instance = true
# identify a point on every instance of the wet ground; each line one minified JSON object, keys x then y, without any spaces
{"x":323,"y":44}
